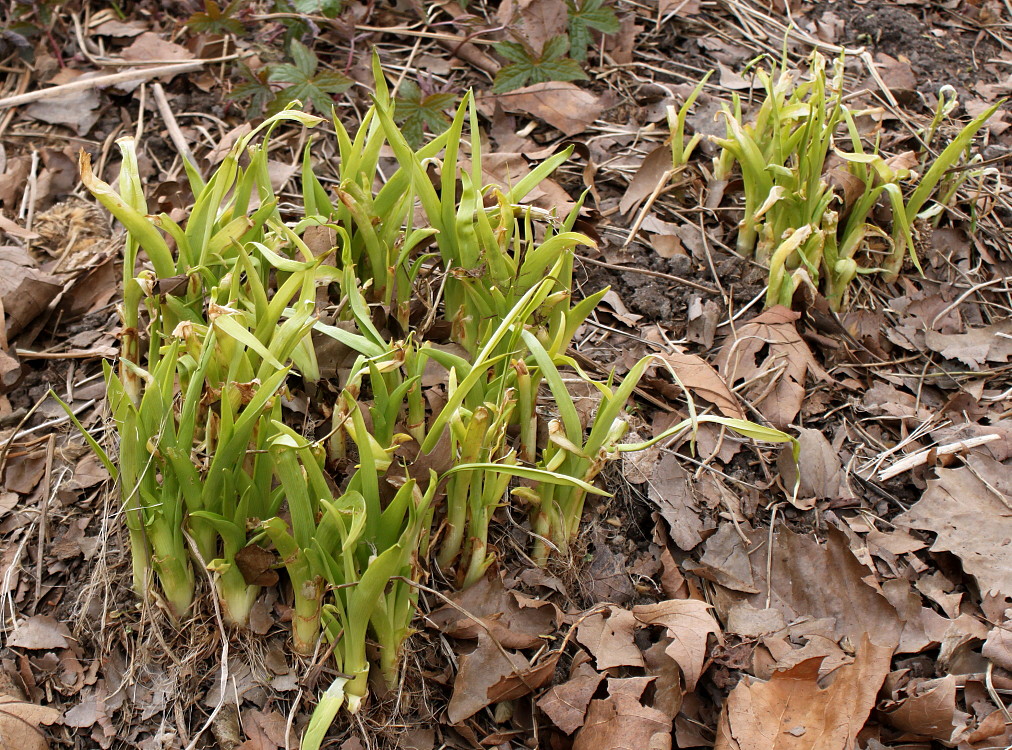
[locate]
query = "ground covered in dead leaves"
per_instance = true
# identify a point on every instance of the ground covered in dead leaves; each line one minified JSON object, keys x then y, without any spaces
{"x":707,"y":605}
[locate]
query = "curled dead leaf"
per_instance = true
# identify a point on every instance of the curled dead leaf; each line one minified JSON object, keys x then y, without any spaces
{"x":698,"y":377}
{"x":689,"y":624}
{"x":822,"y":476}
{"x":622,"y":722}
{"x":257,"y":565}
{"x":25,"y":291}
{"x":792,"y":712}
{"x":480,"y":678}
{"x":20,"y":722}
{"x":770,"y":361}
{"x":930,"y":711}
{"x":512,"y":619}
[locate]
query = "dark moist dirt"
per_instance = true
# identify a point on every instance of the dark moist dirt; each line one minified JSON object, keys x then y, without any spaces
{"x":661,"y":300}
{"x":955,"y":57}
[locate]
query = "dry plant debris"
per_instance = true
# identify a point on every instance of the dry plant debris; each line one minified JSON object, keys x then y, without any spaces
{"x":726,"y":596}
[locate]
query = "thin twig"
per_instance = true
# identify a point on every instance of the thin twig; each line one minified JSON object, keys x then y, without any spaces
{"x":69,"y":354}
{"x":106,"y":80}
{"x":172,"y":126}
{"x":923,"y":456}
{"x":47,"y":486}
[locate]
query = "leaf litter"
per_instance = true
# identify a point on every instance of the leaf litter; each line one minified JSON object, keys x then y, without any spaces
{"x":726,"y":597}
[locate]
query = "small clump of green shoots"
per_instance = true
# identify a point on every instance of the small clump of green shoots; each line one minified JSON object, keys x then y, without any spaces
{"x":796,"y":220}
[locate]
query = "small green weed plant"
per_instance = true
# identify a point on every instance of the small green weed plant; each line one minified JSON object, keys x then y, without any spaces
{"x":561,"y":58}
{"x":276,"y":85}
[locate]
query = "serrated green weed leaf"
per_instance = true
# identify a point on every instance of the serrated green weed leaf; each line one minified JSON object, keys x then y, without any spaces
{"x":305,"y":83}
{"x":417,"y":111}
{"x":585,"y":16}
{"x":527,"y":68}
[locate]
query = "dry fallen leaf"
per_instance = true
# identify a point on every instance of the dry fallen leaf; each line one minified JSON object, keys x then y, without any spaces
{"x":674,"y":491}
{"x":540,"y":20}
{"x":271,"y":727}
{"x":10,"y":365}
{"x":678,"y":8}
{"x":894,"y":541}
{"x":968,"y":509}
{"x":622,"y":722}
{"x":791,"y":711}
{"x":998,"y":646}
{"x":513,"y":620}
{"x":817,"y":472}
{"x":621,"y":45}
{"x":566,"y":704}
{"x":523,"y":681}
{"x":150,"y":47}
{"x":768,"y":353}
{"x":561,"y":104}
{"x":689,"y":625}
{"x":725,"y":561}
{"x":897,"y":75}
{"x":480,"y":671}
{"x":609,"y":637}
{"x":89,"y":472}
{"x":507,"y":168}
{"x":19,"y":723}
{"x":23,"y":474}
{"x":13,"y":181}
{"x":974,"y":347}
{"x":256,"y":565}
{"x":930,"y":712}
{"x":655,"y":168}
{"x":729,"y":79}
{"x":825,"y":579}
{"x":745,"y":620}
{"x":116,"y":28}
{"x":809,"y":578}
{"x":668,"y":693}
{"x":818,"y":645}
{"x":13,"y":229}
{"x":701,"y":380}
{"x":607,"y":578}
{"x":40,"y":632}
{"x":25,"y":291}
{"x":993,"y":730}
{"x":76,"y":109}
{"x":703,"y":320}
{"x":923,"y":627}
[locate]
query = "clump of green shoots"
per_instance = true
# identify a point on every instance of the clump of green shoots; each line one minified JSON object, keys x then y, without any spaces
{"x":795,"y":220}
{"x":507,"y":294}
{"x":215,"y":330}
{"x":205,"y":356}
